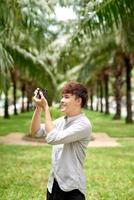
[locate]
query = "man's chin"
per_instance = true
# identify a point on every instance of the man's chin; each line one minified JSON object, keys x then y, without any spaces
{"x":63,"y":110}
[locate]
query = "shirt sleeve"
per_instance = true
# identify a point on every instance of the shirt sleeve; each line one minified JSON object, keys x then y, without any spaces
{"x":75,"y":132}
{"x":41,"y":131}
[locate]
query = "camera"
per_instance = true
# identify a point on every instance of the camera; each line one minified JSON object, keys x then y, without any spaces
{"x":44,"y":91}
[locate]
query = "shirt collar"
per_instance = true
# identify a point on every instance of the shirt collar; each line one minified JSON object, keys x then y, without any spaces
{"x":69,"y":119}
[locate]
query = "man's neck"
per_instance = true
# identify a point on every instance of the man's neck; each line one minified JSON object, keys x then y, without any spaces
{"x":74,"y":114}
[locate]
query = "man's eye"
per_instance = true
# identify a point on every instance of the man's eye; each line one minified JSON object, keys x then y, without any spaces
{"x":66,"y":96}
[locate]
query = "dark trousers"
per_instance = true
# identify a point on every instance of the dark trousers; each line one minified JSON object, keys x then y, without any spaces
{"x":58,"y":194}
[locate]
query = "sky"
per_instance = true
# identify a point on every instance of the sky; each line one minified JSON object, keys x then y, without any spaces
{"x":64,"y":14}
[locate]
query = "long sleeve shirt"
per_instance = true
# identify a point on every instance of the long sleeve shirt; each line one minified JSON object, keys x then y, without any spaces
{"x":69,"y":137}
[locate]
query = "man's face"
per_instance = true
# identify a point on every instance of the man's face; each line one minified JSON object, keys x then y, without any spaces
{"x":69,"y":103}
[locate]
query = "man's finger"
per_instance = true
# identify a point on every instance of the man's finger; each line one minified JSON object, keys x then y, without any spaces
{"x":36,"y":91}
{"x":36,"y":99}
{"x":41,"y":94}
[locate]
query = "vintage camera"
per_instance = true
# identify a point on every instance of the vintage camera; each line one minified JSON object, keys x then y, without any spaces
{"x":44,"y":91}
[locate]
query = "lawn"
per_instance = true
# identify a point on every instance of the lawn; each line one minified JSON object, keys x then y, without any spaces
{"x":21,"y":122}
{"x":105,"y":123}
{"x":100,"y":123}
{"x":24,"y":172}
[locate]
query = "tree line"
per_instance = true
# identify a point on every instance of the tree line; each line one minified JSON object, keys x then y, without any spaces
{"x":98,"y":50}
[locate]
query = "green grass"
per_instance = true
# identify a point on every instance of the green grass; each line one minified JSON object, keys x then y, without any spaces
{"x":105,"y":123}
{"x":110,"y":173}
{"x":21,"y":122}
{"x":24,"y":169}
{"x":24,"y":172}
{"x":100,"y":123}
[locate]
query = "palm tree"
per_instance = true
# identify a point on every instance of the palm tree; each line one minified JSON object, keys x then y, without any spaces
{"x":118,"y":70}
{"x":20,"y":38}
{"x":6,"y":89}
{"x":14,"y":77}
{"x":128,"y":90}
{"x":8,"y":20}
{"x":97,"y":65}
{"x":116,"y":15}
{"x":106,"y":74}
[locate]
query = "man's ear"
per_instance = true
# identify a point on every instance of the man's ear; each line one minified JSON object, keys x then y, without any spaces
{"x":79,"y":100}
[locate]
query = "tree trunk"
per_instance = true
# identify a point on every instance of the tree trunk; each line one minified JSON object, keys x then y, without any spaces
{"x":97,"y":95}
{"x":14,"y":98}
{"x":118,"y":83}
{"x":28,"y":104}
{"x":101,"y":97}
{"x":29,"y":90}
{"x":91,"y":101}
{"x":128,"y":91}
{"x":6,"y":105}
{"x":23,"y":96}
{"x":106,"y":80}
{"x":118,"y":97}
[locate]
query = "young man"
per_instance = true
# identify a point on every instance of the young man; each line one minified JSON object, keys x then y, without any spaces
{"x":69,"y":136}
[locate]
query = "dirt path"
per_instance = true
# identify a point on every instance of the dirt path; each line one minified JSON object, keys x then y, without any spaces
{"x":103,"y":140}
{"x":98,"y":140}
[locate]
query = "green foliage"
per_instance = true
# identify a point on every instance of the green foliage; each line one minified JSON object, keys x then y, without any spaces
{"x":99,"y":55}
{"x":55,"y":113}
{"x":104,"y":15}
{"x":24,"y":33}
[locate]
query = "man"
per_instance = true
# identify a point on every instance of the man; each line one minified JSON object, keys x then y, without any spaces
{"x":69,"y":136}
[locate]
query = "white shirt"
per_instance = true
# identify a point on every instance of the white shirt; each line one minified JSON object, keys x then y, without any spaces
{"x":69,"y":138}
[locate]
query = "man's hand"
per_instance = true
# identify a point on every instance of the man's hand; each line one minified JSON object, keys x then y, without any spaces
{"x":42,"y":102}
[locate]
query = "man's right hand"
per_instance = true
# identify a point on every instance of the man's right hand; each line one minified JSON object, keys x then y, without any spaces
{"x":42,"y":102}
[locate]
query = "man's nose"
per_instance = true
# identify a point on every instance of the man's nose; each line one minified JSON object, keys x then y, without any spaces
{"x":62,"y":100}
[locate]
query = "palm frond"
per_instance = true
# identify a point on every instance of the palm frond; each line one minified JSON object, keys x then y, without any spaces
{"x":28,"y":62}
{"x":104,"y":15}
{"x":99,"y":56}
{"x":6,"y":60}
